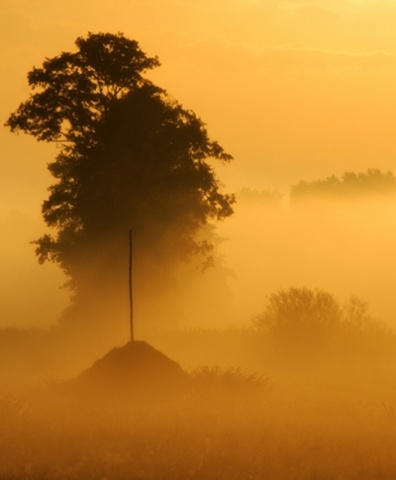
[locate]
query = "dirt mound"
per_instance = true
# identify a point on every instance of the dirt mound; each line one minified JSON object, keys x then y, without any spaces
{"x":135,"y":370}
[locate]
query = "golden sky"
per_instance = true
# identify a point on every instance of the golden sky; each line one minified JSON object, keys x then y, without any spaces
{"x":293,"y":89}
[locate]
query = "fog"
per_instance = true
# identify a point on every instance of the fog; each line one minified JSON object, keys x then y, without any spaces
{"x":212,"y":394}
{"x":30,"y":295}
{"x":230,"y":384}
{"x":342,"y":246}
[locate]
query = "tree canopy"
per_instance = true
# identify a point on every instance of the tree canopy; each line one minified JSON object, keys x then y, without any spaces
{"x":130,"y":158}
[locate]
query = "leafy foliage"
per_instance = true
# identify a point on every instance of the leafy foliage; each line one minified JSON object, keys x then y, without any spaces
{"x":130,"y":158}
{"x":75,"y":89}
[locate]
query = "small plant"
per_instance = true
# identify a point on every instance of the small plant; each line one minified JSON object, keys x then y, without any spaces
{"x":226,"y":381}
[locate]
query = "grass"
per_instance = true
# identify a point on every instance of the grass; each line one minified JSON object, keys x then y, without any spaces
{"x":282,"y":433}
{"x":310,"y":418}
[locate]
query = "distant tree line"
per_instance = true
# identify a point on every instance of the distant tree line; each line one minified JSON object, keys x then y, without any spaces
{"x":350,"y":185}
{"x":270,"y":197}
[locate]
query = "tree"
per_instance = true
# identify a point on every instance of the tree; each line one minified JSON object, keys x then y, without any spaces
{"x":300,"y":314}
{"x":130,"y":158}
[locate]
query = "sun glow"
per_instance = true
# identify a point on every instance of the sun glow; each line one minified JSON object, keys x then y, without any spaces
{"x":282,"y":355}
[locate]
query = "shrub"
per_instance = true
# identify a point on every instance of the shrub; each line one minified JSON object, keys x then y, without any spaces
{"x":300,"y":311}
{"x":307,"y":321}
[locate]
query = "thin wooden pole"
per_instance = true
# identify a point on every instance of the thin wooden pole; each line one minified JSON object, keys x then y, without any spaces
{"x":130,"y":286}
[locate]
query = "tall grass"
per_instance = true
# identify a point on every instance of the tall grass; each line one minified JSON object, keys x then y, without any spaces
{"x":302,"y":416}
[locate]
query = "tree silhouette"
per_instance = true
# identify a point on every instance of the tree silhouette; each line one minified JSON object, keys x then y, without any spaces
{"x":130,"y":158}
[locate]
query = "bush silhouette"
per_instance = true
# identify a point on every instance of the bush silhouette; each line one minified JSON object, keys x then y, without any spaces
{"x":300,"y":312}
{"x":306,"y":320}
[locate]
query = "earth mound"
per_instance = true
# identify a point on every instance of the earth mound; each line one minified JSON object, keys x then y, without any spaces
{"x":135,"y":370}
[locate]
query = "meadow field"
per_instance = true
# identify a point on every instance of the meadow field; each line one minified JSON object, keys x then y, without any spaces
{"x":302,"y":413}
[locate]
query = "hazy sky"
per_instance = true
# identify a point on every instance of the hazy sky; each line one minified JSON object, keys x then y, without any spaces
{"x":293,"y":89}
